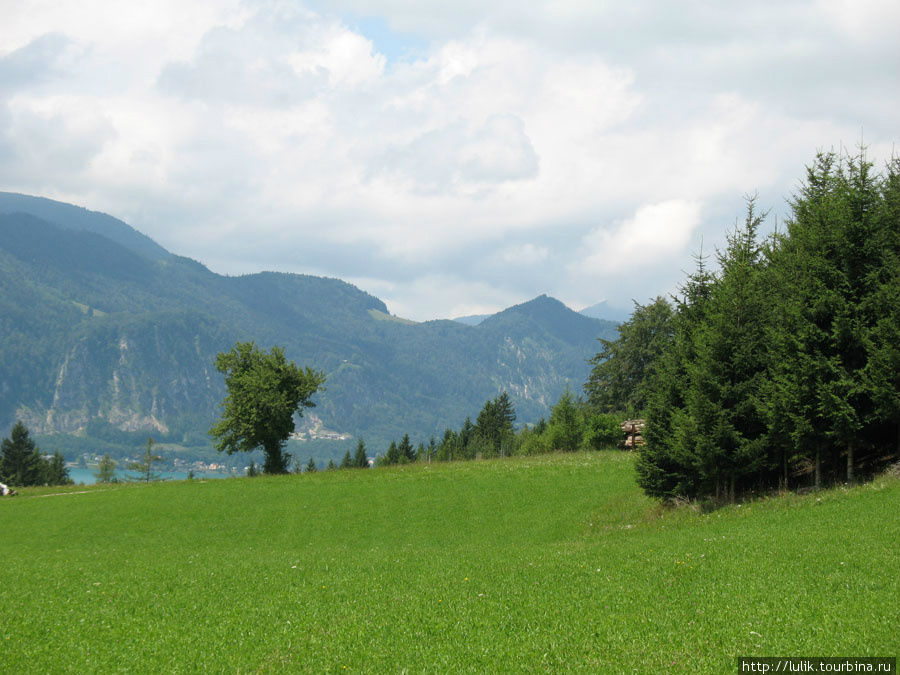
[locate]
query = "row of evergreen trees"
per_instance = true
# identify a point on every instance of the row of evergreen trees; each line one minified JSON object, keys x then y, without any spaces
{"x":22,"y":464}
{"x":573,"y":425}
{"x":782,"y":368}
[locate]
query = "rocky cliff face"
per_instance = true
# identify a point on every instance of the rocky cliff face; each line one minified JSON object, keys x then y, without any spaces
{"x":144,"y":377}
{"x":99,"y":338}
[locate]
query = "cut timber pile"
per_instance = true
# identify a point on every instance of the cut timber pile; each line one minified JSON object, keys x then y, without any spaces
{"x":634,"y":433}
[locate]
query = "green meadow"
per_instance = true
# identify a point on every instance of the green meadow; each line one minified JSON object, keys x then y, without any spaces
{"x":554,"y":563}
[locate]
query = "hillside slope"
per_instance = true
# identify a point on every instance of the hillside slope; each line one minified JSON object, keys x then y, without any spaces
{"x":100,"y":336}
{"x":554,"y":563}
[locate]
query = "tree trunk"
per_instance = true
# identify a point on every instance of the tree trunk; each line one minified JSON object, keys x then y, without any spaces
{"x":818,"y":468}
{"x":783,"y":479}
{"x":850,"y":476}
{"x":275,"y":459}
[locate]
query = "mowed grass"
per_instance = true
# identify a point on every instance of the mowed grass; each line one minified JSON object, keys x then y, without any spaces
{"x":555,"y":563}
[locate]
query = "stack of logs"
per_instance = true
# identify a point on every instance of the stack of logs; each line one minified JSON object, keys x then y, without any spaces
{"x":634,"y":433}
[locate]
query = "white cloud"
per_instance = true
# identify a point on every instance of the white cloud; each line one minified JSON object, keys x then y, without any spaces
{"x":524,"y":254}
{"x":656,"y":231}
{"x":265,"y":133}
{"x":441,"y":296}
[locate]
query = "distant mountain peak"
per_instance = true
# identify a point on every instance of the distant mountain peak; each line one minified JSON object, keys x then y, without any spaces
{"x":603,"y":310}
{"x":72,"y":217}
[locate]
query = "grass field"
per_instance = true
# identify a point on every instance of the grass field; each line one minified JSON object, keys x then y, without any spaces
{"x":555,"y":563}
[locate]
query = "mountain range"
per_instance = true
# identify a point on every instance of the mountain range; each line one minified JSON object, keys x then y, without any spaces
{"x":107,"y":336}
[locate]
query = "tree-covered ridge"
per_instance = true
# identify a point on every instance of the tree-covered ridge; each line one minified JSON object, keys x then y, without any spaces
{"x":78,"y":218}
{"x":100,"y":340}
{"x":782,"y":367}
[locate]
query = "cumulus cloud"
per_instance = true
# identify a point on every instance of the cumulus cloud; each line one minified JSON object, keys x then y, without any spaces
{"x":519,"y":149}
{"x":652,"y":233}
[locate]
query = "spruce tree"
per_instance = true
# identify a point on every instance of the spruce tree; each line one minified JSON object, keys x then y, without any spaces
{"x":21,"y":463}
{"x":667,"y":465}
{"x":882,"y":371}
{"x":839,"y":255}
{"x":405,"y":450}
{"x":55,"y":471}
{"x":726,"y":377}
{"x":347,"y":462}
{"x":360,"y":460}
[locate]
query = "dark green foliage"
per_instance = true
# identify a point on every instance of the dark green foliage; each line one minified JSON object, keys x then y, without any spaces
{"x":21,"y":463}
{"x":494,"y":427}
{"x":310,"y":466}
{"x":264,"y":392}
{"x":251,"y":470}
{"x":625,"y":368}
{"x":331,"y":465}
{"x":392,"y":456}
{"x":841,"y":273}
{"x":55,"y":471}
{"x":360,"y":460}
{"x":405,"y":450}
{"x":783,"y":367}
{"x":347,"y":461}
{"x":663,"y":468}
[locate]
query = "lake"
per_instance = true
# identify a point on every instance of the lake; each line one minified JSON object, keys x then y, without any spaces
{"x":87,"y":477}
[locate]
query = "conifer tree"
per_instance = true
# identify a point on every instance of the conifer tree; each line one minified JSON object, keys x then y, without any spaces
{"x":462,"y":444}
{"x":55,"y":471}
{"x":311,"y":466}
{"x":839,"y":255}
{"x":360,"y":460}
{"x":144,"y":466}
{"x":405,"y":450}
{"x":882,"y":371}
{"x":494,"y":424}
{"x":730,"y":366}
{"x":666,"y":465}
{"x":21,"y":463}
{"x":347,"y":462}
{"x":392,"y":456}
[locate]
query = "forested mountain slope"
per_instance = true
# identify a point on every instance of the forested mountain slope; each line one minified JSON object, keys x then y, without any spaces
{"x":102,"y":332}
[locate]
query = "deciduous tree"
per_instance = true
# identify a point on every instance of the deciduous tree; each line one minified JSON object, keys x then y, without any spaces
{"x":265,"y":390}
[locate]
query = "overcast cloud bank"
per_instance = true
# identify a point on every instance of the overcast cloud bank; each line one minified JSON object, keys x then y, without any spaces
{"x":450,"y":159}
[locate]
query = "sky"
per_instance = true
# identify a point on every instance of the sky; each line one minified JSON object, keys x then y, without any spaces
{"x":449,"y":158}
